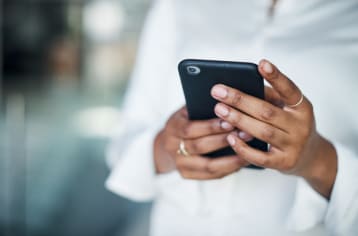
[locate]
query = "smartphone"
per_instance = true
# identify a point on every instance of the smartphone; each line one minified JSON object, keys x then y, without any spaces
{"x":199,"y":76}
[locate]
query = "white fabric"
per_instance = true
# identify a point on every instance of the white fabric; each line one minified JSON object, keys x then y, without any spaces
{"x":315,"y":42}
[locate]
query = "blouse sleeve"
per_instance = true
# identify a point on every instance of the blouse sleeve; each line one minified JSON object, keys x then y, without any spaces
{"x":340,"y":214}
{"x":130,"y":154}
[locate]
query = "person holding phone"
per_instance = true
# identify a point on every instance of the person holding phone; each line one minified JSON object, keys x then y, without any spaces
{"x":308,"y":186}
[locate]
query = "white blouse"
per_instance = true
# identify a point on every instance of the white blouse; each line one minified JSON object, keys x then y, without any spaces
{"x":315,"y":43}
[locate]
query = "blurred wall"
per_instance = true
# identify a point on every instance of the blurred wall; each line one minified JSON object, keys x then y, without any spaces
{"x":64,"y":69}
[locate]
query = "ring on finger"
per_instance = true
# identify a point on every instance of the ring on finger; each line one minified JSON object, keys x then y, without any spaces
{"x":182,"y":150}
{"x":297,"y":103}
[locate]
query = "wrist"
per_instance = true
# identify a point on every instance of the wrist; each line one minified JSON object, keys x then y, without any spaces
{"x":322,"y":169}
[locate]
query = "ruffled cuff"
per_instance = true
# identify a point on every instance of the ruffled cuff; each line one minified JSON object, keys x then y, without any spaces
{"x":308,"y":210}
{"x":340,"y":214}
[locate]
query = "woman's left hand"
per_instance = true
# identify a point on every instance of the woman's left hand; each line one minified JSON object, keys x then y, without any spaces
{"x":295,"y":145}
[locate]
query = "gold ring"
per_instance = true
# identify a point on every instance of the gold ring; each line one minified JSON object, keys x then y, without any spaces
{"x":182,"y":150}
{"x":298,"y":103}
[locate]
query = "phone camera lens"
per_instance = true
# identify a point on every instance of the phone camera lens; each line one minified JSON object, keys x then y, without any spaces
{"x":193,"y":70}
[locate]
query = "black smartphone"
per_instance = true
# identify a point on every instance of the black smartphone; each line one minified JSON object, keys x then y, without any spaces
{"x":199,"y":76}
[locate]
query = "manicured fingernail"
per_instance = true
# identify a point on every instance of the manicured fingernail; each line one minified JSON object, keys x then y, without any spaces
{"x":231,"y":139}
{"x":226,"y":125}
{"x":219,"y":92}
{"x":243,"y":135}
{"x":267,"y":67}
{"x":221,"y":110}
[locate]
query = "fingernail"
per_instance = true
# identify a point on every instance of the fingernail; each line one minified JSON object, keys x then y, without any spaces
{"x":226,"y":125}
{"x":267,"y":67}
{"x":219,"y":92}
{"x":221,"y":110}
{"x":243,"y":135}
{"x":231,"y":139}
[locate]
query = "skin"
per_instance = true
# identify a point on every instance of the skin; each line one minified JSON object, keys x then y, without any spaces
{"x":296,"y":148}
{"x":200,"y":137}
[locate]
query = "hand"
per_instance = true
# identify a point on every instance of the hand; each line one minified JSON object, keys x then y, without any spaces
{"x":295,"y":145}
{"x":199,"y":137}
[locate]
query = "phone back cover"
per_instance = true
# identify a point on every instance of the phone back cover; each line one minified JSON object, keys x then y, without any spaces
{"x":200,"y":104}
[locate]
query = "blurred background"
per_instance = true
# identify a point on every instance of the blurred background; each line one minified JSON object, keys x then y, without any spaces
{"x":64,"y":68}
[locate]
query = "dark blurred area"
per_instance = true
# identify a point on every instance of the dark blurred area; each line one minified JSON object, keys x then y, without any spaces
{"x":64,"y":68}
{"x":30,"y":32}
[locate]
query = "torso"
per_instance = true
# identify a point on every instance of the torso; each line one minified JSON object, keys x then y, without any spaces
{"x":316,"y":44}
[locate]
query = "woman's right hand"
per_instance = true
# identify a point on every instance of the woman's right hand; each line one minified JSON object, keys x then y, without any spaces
{"x":199,"y":137}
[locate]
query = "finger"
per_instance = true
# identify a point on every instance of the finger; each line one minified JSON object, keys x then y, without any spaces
{"x":206,"y":144}
{"x":186,"y":129}
{"x":198,"y":167}
{"x":255,"y":107}
{"x":256,"y":157}
{"x":256,"y":128}
{"x":191,"y":163}
{"x":184,"y":112}
{"x":273,"y":97}
{"x":202,"y":128}
{"x":226,"y":165}
{"x":288,"y":90}
{"x":195,"y":175}
{"x":244,"y":136}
